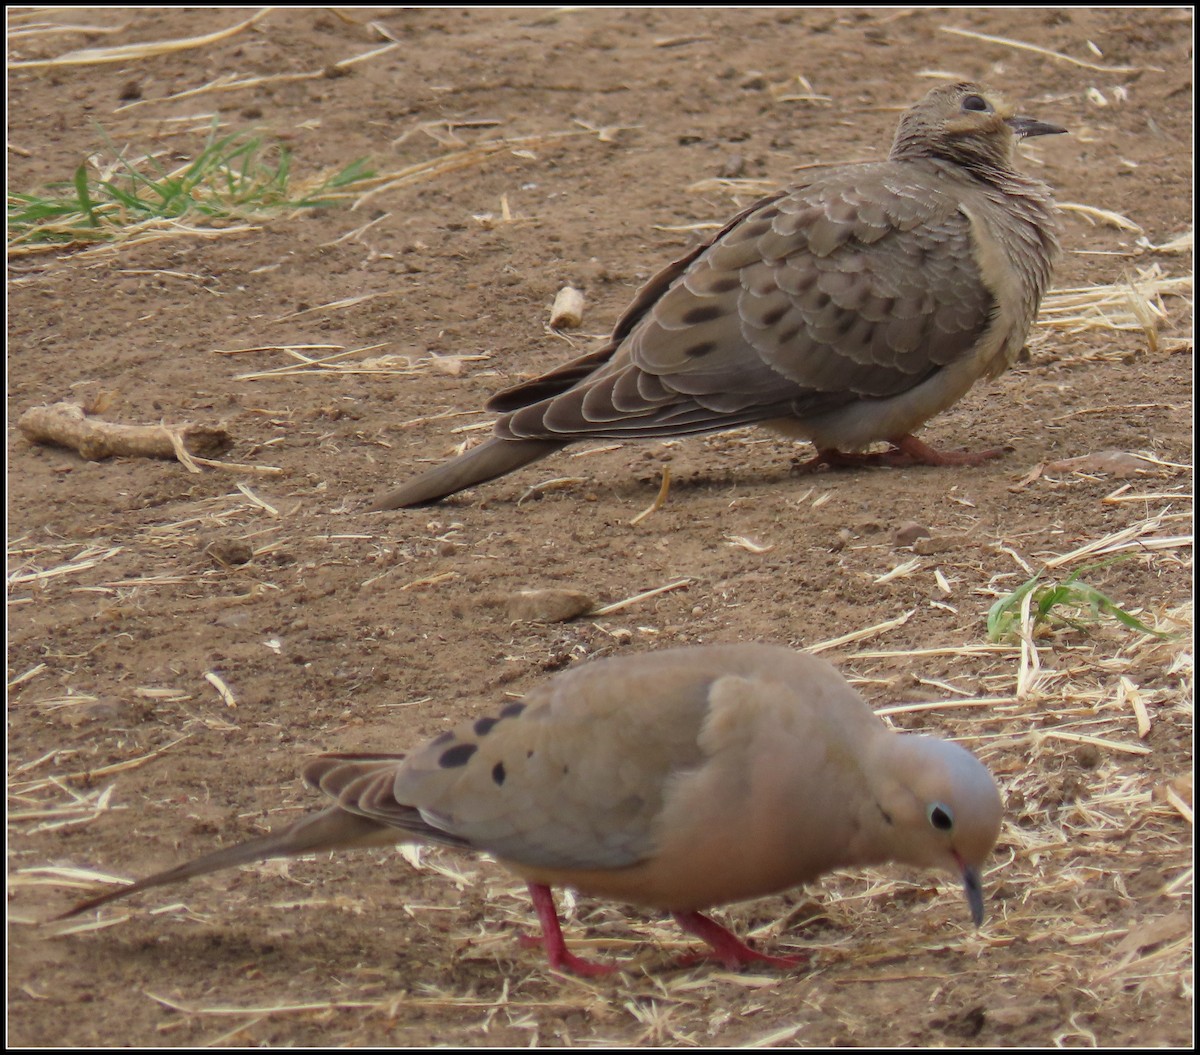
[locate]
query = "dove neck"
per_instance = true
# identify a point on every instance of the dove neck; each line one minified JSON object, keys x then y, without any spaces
{"x":989,"y":162}
{"x":899,"y":772}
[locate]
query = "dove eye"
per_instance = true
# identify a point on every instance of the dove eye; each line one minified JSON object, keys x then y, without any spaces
{"x":976,"y":102}
{"x":940,"y":817}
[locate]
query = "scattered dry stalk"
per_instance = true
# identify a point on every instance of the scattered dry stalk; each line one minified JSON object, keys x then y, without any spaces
{"x":68,"y":425}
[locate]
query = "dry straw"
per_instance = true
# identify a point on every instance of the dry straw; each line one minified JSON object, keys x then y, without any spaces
{"x":1088,"y":733}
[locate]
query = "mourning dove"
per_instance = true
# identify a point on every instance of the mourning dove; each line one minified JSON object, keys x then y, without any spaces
{"x":845,"y":310}
{"x":676,"y":780}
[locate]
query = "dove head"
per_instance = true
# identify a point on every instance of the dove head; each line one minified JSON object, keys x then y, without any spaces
{"x":942,"y":810}
{"x":966,"y":124}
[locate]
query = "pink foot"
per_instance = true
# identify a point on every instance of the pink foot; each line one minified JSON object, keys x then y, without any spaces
{"x":906,"y":450}
{"x":726,"y":947}
{"x":552,"y":938}
{"x":918,"y":453}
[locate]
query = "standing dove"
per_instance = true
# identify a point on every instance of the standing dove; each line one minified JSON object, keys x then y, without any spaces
{"x":676,"y":780}
{"x":845,"y":310}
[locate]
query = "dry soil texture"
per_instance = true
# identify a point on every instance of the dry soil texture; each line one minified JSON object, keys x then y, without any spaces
{"x":133,"y":580}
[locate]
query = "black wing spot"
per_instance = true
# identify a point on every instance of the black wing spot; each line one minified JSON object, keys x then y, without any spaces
{"x":441,"y":738}
{"x":484,"y":726}
{"x":498,"y":773}
{"x":512,"y":710}
{"x":774,"y":315}
{"x":755,"y":228}
{"x":703,"y":348}
{"x":702,"y":313}
{"x":458,"y":755}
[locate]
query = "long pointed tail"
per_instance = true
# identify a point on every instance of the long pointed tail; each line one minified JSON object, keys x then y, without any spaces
{"x":480,"y":464}
{"x":331,"y":829}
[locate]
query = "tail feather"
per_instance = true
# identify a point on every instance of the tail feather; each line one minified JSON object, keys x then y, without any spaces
{"x":331,"y":829}
{"x":480,"y":464}
{"x":551,"y":384}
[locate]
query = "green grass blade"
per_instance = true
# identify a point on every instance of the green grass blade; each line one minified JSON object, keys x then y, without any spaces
{"x":86,"y":205}
{"x":1004,"y":612}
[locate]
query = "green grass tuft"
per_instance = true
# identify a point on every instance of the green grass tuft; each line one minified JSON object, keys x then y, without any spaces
{"x":1051,"y":602}
{"x":234,"y":176}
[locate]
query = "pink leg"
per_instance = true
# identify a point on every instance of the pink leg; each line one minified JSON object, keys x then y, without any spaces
{"x":552,"y":937}
{"x":906,"y":450}
{"x":835,"y":459}
{"x":727,"y":947}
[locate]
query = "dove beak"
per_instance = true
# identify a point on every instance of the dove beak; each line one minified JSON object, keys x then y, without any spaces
{"x":973,"y":887}
{"x":1029,"y":126}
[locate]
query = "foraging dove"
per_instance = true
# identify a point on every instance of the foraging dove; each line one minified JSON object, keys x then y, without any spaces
{"x":845,"y":310}
{"x":677,"y":780}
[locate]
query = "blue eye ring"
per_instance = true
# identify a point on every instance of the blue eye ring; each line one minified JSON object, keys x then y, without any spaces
{"x":940,"y":816}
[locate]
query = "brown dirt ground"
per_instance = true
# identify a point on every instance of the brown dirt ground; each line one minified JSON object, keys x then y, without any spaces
{"x":350,"y":631}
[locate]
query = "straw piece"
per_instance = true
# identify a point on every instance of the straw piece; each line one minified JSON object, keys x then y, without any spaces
{"x":473,"y":155}
{"x":859,"y":635}
{"x":1020,"y":46}
{"x":1097,"y":741}
{"x":1090,"y":212}
{"x":557,"y":483}
{"x":84,"y":561}
{"x":618,"y":606}
{"x":90,"y":775}
{"x":128,"y":52}
{"x":223,"y":690}
{"x":659,"y":499}
{"x":30,"y":674}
